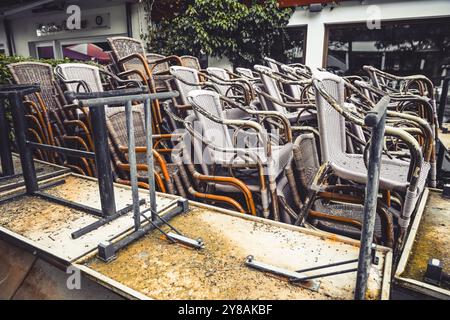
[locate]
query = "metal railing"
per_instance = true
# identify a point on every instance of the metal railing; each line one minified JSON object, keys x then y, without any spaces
{"x":443,"y":98}
{"x":376,"y":119}
{"x":96,"y":102}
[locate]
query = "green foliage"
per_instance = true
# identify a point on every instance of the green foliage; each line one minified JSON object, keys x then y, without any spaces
{"x":223,"y":28}
{"x":5,"y":75}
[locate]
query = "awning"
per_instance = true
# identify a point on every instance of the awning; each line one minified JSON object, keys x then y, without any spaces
{"x":86,"y":51}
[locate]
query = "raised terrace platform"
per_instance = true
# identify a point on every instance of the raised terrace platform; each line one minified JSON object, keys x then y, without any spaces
{"x":429,"y":238}
{"x":152,"y":267}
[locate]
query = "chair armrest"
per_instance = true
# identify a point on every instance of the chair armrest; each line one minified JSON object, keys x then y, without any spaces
{"x":134,"y":71}
{"x":166,"y":59}
{"x":415,"y":152}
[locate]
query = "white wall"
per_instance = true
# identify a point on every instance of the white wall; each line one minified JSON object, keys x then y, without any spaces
{"x":354,"y":11}
{"x":220,"y":63}
{"x":24,"y":28}
{"x":138,"y":20}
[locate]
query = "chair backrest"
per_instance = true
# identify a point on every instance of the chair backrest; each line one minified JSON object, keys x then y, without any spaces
{"x":79,"y":71}
{"x":160,"y":67}
{"x":124,"y":46}
{"x":270,"y":87}
{"x":187,"y":74}
{"x":190,"y":62}
{"x":209,"y":101}
{"x":307,"y":158}
{"x":36,"y":72}
{"x":331,"y":122}
{"x":221,"y":74}
{"x":272,"y":64}
{"x":295,"y":89}
{"x":117,"y":128}
{"x":245,"y":72}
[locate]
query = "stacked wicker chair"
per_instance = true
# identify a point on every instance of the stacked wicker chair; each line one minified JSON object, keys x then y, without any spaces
{"x":49,"y":122}
{"x":134,"y":62}
{"x":282,"y":141}
{"x":80,"y":77}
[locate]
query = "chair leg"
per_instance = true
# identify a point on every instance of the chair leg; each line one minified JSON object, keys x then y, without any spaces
{"x":179,"y":185}
{"x":163,"y":166}
{"x":274,"y":197}
{"x":264,"y":195}
{"x":293,"y":186}
{"x":312,"y":193}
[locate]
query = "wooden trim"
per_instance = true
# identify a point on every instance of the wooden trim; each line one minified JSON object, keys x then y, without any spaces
{"x":326,"y":38}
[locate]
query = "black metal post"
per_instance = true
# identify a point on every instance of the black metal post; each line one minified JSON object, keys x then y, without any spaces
{"x":443,"y":99}
{"x":375,"y":119}
{"x":5,"y":147}
{"x":102,"y":160}
{"x":20,"y":129}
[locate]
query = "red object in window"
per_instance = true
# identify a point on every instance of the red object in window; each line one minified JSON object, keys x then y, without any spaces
{"x":293,"y":3}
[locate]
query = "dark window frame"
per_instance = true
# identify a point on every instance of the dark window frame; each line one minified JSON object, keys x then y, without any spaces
{"x":412,"y":21}
{"x":304,"y":28}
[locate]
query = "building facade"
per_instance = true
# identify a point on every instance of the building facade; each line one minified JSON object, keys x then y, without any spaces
{"x":38,"y":29}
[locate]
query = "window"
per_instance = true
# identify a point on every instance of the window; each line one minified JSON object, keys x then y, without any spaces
{"x":45,"y":51}
{"x":401,"y":48}
{"x":290,"y":47}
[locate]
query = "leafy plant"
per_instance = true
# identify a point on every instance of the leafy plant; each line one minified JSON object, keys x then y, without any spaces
{"x":223,"y":28}
{"x":5,"y":75}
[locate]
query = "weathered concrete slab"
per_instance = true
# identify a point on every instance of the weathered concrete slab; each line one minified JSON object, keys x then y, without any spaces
{"x":50,"y":225}
{"x":153,"y":268}
{"x":429,"y":238}
{"x":161,"y":270}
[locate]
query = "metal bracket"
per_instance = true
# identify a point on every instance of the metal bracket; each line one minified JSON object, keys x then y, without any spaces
{"x":197,"y":244}
{"x":375,"y":259}
{"x":312,"y":285}
{"x":107,"y":250}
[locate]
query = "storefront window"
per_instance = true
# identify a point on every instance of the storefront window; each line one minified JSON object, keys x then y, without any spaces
{"x":402,"y":48}
{"x":87,"y":51}
{"x":45,"y":52}
{"x":290,"y":47}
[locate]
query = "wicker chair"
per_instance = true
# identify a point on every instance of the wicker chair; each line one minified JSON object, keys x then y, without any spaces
{"x":165,"y":176}
{"x":248,"y":74}
{"x":299,"y":92}
{"x":225,"y":82}
{"x":80,"y":77}
{"x":224,"y":152}
{"x":279,"y":67}
{"x":187,"y":79}
{"x":45,"y":114}
{"x":131,"y":59}
{"x":190,"y":62}
{"x":399,"y":175}
{"x":273,"y":98}
{"x":408,"y":103}
{"x":389,"y":83}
